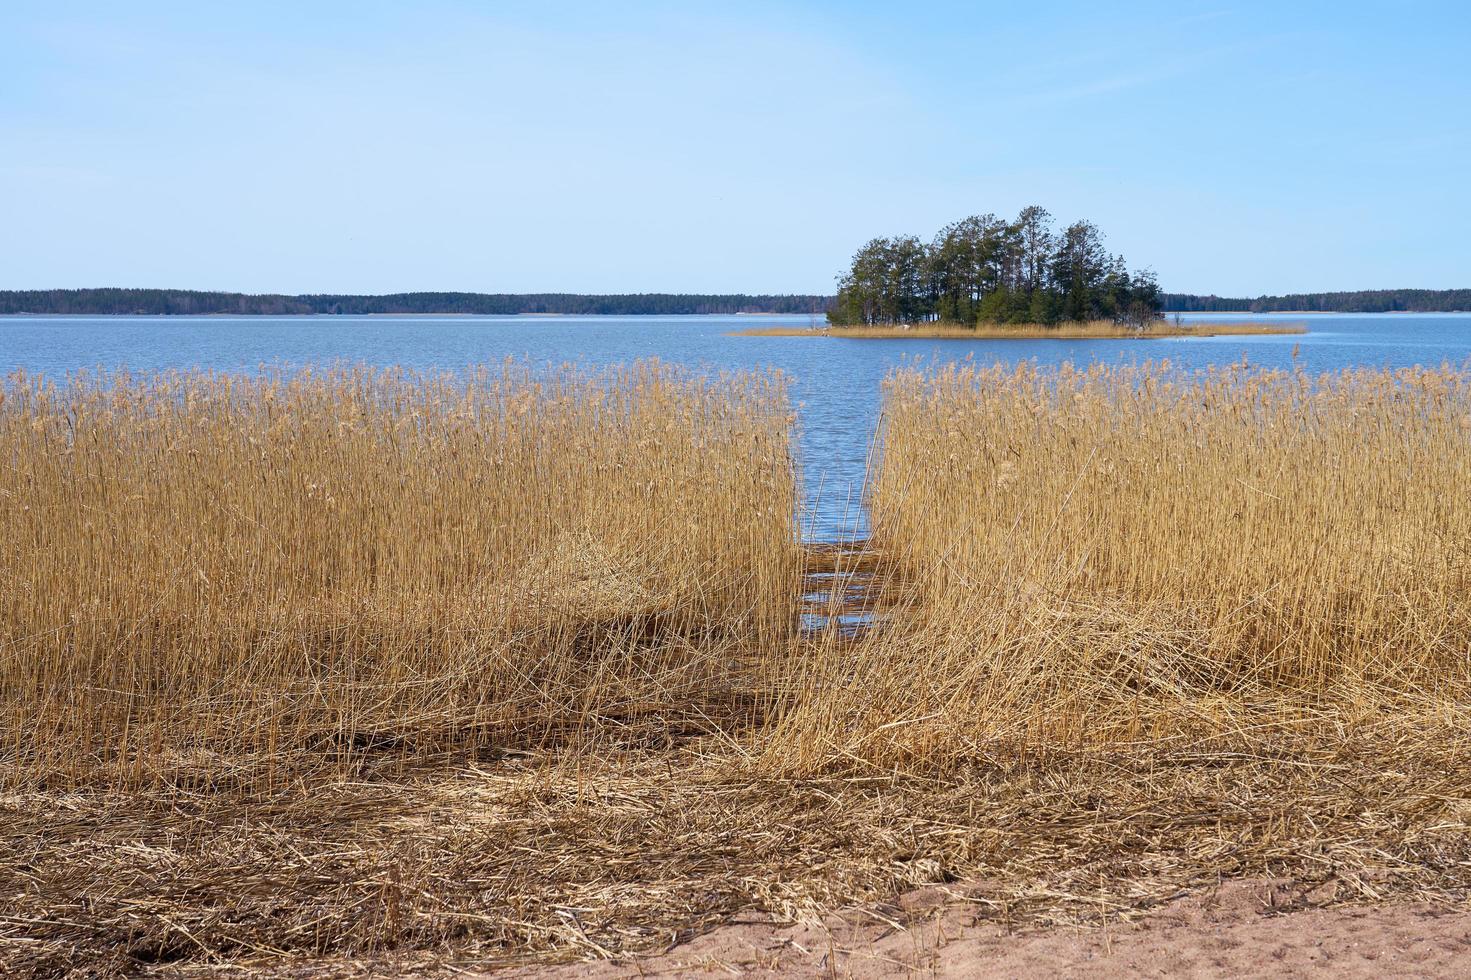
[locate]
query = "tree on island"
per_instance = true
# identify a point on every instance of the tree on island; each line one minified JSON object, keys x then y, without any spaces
{"x":987,"y":270}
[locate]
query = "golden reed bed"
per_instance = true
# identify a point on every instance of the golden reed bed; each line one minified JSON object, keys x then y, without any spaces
{"x":1144,"y":555}
{"x":1091,"y":330}
{"x":239,"y":578}
{"x":370,"y":670}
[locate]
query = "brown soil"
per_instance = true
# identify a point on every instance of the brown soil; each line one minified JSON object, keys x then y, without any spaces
{"x":1252,"y":928}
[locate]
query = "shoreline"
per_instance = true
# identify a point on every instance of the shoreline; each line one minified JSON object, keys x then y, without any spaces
{"x":1031,"y":331}
{"x":1239,"y":926}
{"x":223,"y":314}
{"x":220,"y":315}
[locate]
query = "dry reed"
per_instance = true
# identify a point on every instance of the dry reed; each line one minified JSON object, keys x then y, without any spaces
{"x":618,"y":857}
{"x":215,"y":577}
{"x":1140,"y":630}
{"x":1118,"y":556}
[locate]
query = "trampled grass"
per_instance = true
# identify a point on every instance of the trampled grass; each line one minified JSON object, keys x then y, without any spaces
{"x":370,"y":668}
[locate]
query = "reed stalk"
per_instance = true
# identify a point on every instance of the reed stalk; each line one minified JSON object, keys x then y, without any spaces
{"x":256,"y":575}
{"x":1104,"y":557}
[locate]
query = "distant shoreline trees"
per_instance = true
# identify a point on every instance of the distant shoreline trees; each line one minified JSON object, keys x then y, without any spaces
{"x":186,"y":302}
{"x":1362,"y":301}
{"x":984,"y":269}
{"x":962,"y":292}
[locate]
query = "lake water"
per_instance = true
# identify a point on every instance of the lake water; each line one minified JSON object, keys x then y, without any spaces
{"x":836,"y":382}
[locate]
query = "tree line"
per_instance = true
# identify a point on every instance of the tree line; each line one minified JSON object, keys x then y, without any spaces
{"x":186,"y":302}
{"x":1362,"y":301}
{"x":986,"y":269}
{"x":961,"y":278}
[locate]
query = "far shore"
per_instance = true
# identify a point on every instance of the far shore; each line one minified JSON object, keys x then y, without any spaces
{"x":1003,"y":329}
{"x":223,"y":314}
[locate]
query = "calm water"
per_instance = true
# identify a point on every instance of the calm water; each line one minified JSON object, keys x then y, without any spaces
{"x":836,"y":382}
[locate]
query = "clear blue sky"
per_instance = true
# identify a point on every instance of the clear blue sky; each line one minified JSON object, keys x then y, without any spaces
{"x":623,"y":147}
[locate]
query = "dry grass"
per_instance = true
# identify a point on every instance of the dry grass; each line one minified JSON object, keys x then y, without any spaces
{"x":1121,"y":556}
{"x":620,"y":856}
{"x":1140,"y":630}
{"x":239,"y":578}
{"x":1091,"y":330}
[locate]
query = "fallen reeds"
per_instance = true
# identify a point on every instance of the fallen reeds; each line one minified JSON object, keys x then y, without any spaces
{"x":618,"y":857}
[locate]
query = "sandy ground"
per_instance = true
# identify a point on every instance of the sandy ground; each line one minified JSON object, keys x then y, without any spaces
{"x":1238,"y":929}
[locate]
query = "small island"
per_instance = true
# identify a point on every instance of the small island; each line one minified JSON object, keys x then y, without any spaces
{"x":987,"y":278}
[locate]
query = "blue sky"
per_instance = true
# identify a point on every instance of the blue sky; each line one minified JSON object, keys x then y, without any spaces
{"x":596,"y":147}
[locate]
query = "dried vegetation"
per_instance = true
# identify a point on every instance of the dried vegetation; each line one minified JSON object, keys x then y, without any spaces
{"x":361,"y":671}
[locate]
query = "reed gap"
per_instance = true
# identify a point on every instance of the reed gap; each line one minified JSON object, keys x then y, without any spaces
{"x":217,"y":578}
{"x":1114,"y":556}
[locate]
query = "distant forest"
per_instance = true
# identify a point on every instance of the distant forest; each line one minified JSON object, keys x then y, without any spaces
{"x":984,"y":269}
{"x":185,"y":302}
{"x":953,"y":301}
{"x":1363,"y":301}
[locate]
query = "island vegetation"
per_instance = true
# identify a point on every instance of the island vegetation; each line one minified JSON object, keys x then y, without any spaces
{"x":984,"y":269}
